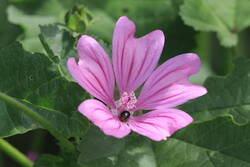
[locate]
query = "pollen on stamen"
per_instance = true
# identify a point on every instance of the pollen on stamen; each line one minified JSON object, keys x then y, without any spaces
{"x":127,"y":101}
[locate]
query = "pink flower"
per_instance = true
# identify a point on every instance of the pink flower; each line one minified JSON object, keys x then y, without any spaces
{"x":32,"y":155}
{"x":134,"y":62}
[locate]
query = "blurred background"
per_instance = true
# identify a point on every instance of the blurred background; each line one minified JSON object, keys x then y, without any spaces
{"x":24,"y":20}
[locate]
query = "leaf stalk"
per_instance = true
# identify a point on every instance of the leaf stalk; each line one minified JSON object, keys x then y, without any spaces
{"x":67,"y":145}
{"x":15,"y":154}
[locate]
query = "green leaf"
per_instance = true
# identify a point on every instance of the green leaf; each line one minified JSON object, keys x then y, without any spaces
{"x":15,"y":122}
{"x":58,"y":94}
{"x":144,"y":13}
{"x":106,"y":162}
{"x":214,"y":143}
{"x":101,"y":26}
{"x":49,"y":161}
{"x":29,"y":23}
{"x":12,"y":30}
{"x":22,"y":72}
{"x":96,"y":144}
{"x":225,"y":17}
{"x":30,"y":15}
{"x":59,"y":45}
{"x":137,"y":152}
{"x":29,"y":77}
{"x":227,"y":95}
{"x":37,"y":81}
{"x":97,"y":148}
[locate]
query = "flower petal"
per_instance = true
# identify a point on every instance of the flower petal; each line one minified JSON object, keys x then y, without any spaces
{"x":168,"y":86}
{"x":134,"y":59}
{"x":160,"y":124}
{"x":94,"y":70}
{"x":100,"y":115}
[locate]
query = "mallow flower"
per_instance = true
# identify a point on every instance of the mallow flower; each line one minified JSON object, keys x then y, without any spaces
{"x":133,"y":67}
{"x":32,"y":155}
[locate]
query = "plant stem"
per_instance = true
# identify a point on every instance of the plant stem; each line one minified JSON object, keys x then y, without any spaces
{"x":233,"y":51}
{"x":221,"y":58}
{"x":67,"y":145}
{"x":15,"y":154}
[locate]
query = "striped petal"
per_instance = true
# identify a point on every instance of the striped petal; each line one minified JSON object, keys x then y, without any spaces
{"x":134,"y":59}
{"x":94,"y":70}
{"x":168,"y":86}
{"x":100,"y":115}
{"x":160,"y":124}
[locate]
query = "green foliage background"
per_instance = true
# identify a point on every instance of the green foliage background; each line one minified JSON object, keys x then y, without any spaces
{"x":37,"y":37}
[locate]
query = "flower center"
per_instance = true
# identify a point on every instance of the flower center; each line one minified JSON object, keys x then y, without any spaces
{"x":125,"y":105}
{"x":126,"y":102}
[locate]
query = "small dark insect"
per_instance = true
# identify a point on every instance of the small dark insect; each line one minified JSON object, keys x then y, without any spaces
{"x":124,"y":116}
